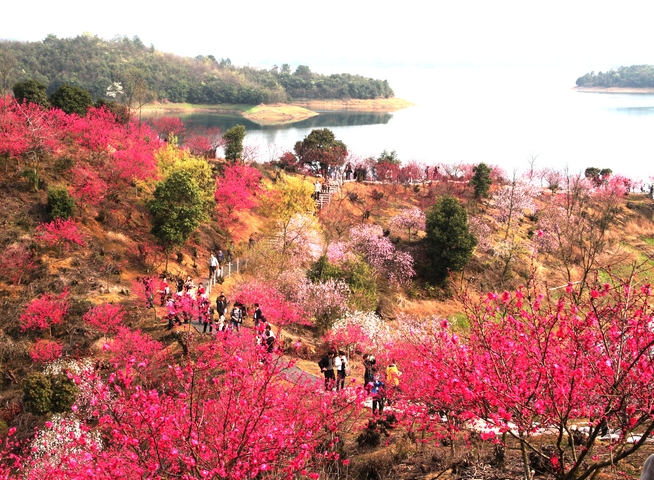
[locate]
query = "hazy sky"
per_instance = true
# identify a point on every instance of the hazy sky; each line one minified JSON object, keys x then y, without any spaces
{"x":584,"y":34}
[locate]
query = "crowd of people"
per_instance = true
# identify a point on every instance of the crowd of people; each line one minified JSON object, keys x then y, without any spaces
{"x":190,"y":303}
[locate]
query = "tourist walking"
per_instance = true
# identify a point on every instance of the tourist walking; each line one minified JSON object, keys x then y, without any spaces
{"x":378,"y":391}
{"x":341,"y":366}
{"x":369,"y":367}
{"x":326,"y":365}
{"x":257,"y":316}
{"x":221,"y":304}
{"x":236,"y":318}
{"x":392,"y":381}
{"x":213,"y":265}
{"x":208,"y":319}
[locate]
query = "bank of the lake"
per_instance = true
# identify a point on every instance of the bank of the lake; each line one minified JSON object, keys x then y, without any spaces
{"x":282,"y":113}
{"x":614,"y":90}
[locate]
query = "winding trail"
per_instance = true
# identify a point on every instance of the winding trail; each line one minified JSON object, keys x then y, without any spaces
{"x":290,"y":373}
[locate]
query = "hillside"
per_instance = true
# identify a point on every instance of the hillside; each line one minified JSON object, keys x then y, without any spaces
{"x":94,"y":64}
{"x":88,"y":359}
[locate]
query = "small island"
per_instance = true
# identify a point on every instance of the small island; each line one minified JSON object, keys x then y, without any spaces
{"x":632,"y":79}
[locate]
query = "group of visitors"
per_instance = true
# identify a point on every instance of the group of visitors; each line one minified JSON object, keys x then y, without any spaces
{"x":334,"y":366}
{"x":188,"y":304}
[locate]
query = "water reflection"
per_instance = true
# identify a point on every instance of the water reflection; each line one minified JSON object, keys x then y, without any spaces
{"x":323,"y":120}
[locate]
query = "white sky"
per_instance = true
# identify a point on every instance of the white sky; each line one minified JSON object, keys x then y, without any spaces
{"x":588,"y":35}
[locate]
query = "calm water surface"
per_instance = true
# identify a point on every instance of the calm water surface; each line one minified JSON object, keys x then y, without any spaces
{"x":498,"y":116}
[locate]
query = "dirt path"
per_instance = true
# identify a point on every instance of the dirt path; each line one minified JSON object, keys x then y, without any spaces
{"x":291,"y":373}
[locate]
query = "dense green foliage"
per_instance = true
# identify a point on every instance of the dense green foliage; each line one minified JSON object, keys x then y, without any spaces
{"x":481,"y":180}
{"x":93,"y":64}
{"x":449,"y":241}
{"x":60,"y":203}
{"x":234,"y":142}
{"x":31,"y":91}
{"x":356,"y":274}
{"x":320,"y":150}
{"x":178,"y":208}
{"x":44,"y":394}
{"x":71,"y":99}
{"x":635,"y":76}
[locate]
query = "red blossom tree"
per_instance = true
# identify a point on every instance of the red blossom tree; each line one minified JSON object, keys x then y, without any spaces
{"x":167,"y":126}
{"x":17,"y":262}
{"x":45,"y":311}
{"x":531,"y":362}
{"x":44,"y":351}
{"x":60,"y":233}
{"x":236,"y":191}
{"x":203,"y":142}
{"x":221,"y":414}
{"x":105,"y":317}
{"x":276,"y":308}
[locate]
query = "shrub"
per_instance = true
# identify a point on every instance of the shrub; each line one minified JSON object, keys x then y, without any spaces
{"x":37,"y":393}
{"x":355,"y":273}
{"x":64,"y":393}
{"x":60,"y":203}
{"x":44,"y":394}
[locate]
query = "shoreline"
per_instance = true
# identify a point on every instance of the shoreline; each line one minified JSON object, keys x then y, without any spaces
{"x":614,"y":89}
{"x":283,"y":113}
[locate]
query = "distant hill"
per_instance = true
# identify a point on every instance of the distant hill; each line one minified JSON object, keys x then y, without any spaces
{"x":93,"y":64}
{"x":635,"y":76}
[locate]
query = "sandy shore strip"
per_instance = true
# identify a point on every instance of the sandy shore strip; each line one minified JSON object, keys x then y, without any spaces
{"x":613,"y":90}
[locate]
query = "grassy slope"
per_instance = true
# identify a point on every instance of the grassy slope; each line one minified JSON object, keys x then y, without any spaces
{"x":113,"y":242}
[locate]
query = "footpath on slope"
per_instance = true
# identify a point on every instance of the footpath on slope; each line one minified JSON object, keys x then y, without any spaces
{"x":291,"y":373}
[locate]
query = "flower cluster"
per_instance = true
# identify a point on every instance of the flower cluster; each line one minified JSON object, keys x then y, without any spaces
{"x":45,"y":311}
{"x":410,"y":219}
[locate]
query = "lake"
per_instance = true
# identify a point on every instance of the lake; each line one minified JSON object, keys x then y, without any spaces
{"x":501,"y":116}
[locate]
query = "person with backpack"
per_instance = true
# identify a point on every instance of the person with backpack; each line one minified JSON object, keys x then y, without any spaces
{"x":341,"y":365}
{"x":236,"y":318}
{"x":326,"y":365}
{"x":377,"y":389}
{"x":221,"y":304}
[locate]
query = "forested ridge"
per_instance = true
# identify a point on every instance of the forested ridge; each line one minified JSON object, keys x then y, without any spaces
{"x":634,"y":76}
{"x":93,"y":63}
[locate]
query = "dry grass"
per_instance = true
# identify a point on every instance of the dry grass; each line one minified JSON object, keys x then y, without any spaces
{"x":359,"y":105}
{"x":278,"y":114}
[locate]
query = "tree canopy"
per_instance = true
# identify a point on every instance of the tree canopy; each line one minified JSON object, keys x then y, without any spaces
{"x":234,"y":142}
{"x":634,"y":76}
{"x":449,"y":241}
{"x":93,"y":64}
{"x":321,"y":150}
{"x":31,"y":91}
{"x":481,"y":180}
{"x":71,"y":99}
{"x":177,"y":208}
